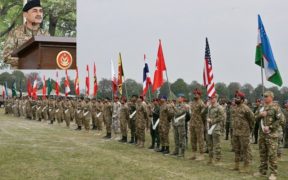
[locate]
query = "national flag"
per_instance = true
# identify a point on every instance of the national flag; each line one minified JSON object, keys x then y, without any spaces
{"x":67,"y":84}
{"x":57,"y":87}
{"x":264,"y":56}
{"x":6,"y":89}
{"x":35,"y":88}
{"x":95,"y":89}
{"x":160,"y":68}
{"x":14,"y":93}
{"x":44,"y":88}
{"x":87,"y":81}
{"x":208,"y":81}
{"x":49,"y":86}
{"x":3,"y":92}
{"x":29,"y":88}
{"x":113,"y":79}
{"x":120,"y":74}
{"x":146,"y":77}
{"x":77,"y":88}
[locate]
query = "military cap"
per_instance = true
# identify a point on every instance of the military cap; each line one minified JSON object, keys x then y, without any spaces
{"x":269,"y":93}
{"x":239,"y":94}
{"x":31,"y":4}
{"x":197,"y":91}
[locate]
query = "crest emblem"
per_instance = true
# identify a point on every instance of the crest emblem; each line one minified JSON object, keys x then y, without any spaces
{"x":64,"y":60}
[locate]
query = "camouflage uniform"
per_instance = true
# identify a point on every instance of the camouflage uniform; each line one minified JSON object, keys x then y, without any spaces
{"x":115,"y":117}
{"x":285,"y":111}
{"x":132,"y":120}
{"x":86,"y":114}
{"x":216,"y":115}
{"x":178,"y":124}
{"x":94,"y":113}
{"x":268,"y":143}
{"x":28,"y":108}
{"x":79,"y":115}
{"x":39,"y":110}
{"x":197,"y":126}
{"x":66,"y":111}
{"x":124,"y":118}
{"x":15,"y":39}
{"x":34,"y":109}
{"x":107,"y":115}
{"x":154,"y":128}
{"x":243,"y":124}
{"x":45,"y":109}
{"x":59,"y":111}
{"x":141,"y":123}
{"x":51,"y":110}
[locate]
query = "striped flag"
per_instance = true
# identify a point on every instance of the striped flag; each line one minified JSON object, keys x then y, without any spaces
{"x":87,"y":81}
{"x":77,"y":88}
{"x":44,"y":88}
{"x":57,"y":87}
{"x":113,"y":79}
{"x":67,"y":84}
{"x":34,"y":92}
{"x":264,"y":56}
{"x":208,"y":72}
{"x":120,"y":74}
{"x":146,"y":77}
{"x":95,"y":87}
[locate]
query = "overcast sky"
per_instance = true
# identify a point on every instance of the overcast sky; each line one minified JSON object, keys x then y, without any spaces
{"x":133,"y":27}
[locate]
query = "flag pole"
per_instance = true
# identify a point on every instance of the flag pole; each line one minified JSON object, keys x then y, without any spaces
{"x":262,"y":77}
{"x":168,"y":83}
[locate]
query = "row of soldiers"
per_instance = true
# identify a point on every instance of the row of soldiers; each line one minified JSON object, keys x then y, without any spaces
{"x":204,"y":121}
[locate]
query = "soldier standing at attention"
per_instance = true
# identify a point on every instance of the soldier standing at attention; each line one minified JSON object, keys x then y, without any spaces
{"x":228,"y":120}
{"x":154,"y":130}
{"x":116,"y":117}
{"x":66,"y":110}
{"x":180,"y":110}
{"x":33,"y":13}
{"x":132,"y":112}
{"x":257,"y":123}
{"x":79,"y":114}
{"x":197,"y":125}
{"x":285,"y":111}
{"x":107,"y":110}
{"x":124,"y":118}
{"x":141,"y":121}
{"x":86,"y":113}
{"x":94,"y":113}
{"x":242,"y":126}
{"x":270,"y":119}
{"x":215,"y":117}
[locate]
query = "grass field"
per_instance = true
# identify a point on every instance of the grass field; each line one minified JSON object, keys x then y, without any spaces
{"x":37,"y":150}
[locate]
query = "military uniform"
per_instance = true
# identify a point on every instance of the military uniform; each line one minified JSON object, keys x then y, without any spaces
{"x":216,"y":117}
{"x":243,"y":124}
{"x":124,"y":118}
{"x":79,"y":115}
{"x":116,"y":117}
{"x":15,"y":39}
{"x":66,"y":111}
{"x":285,"y":111}
{"x":141,"y":123}
{"x":154,"y":127}
{"x":45,"y":109}
{"x":86,"y":114}
{"x":107,"y":110}
{"x":59,"y":111}
{"x":197,"y":127}
{"x":39,"y":110}
{"x":268,"y":142}
{"x":178,"y":124}
{"x":132,"y":120}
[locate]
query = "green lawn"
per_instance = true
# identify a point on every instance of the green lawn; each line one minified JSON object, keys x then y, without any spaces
{"x":37,"y":150}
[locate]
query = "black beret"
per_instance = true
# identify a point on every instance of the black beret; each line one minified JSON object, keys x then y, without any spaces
{"x":31,"y":4}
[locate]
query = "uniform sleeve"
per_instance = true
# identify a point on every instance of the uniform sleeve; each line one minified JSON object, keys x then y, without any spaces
{"x":250,"y":117}
{"x":279,"y":119}
{"x":220,"y":116}
{"x":9,"y":45}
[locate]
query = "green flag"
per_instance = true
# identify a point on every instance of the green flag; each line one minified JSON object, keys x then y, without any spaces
{"x":14,"y":93}
{"x":49,"y":85}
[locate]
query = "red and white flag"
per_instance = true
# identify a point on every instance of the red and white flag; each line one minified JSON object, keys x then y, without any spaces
{"x":208,"y":72}
{"x":77,"y":88}
{"x":29,"y":88}
{"x":67,"y":84}
{"x":44,"y":88}
{"x":87,"y":81}
{"x":113,"y":79}
{"x":95,"y":89}
{"x":34,"y":93}
{"x":57,"y":87}
{"x":160,"y":68}
{"x":146,"y":77}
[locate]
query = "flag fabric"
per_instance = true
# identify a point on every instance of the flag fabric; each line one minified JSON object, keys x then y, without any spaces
{"x":6,"y":89}
{"x":95,"y":89}
{"x":146,"y":77}
{"x":113,"y":79}
{"x":49,"y":86}
{"x":77,"y":88}
{"x":264,"y":56}
{"x":57,"y":87}
{"x":34,"y":93}
{"x":29,"y":88}
{"x":44,"y":88}
{"x":208,"y":80}
{"x":67,"y":84}
{"x":20,"y":89}
{"x":3,"y":92}
{"x":14,"y":93}
{"x":87,"y":81}
{"x":160,"y":68}
{"x":120,"y":75}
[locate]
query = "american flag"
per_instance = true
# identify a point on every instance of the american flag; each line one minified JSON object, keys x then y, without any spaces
{"x":208,"y":72}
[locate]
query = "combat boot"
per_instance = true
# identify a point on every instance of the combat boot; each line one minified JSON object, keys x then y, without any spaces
{"x":121,"y":140}
{"x":176,"y":152}
{"x":78,"y":128}
{"x":94,"y":127}
{"x":132,"y":140}
{"x":182,"y":153}
{"x":151,"y":147}
{"x":236,"y":166}
{"x":245,"y":168}
{"x":193,"y":157}
{"x":166,"y":151}
{"x":125,"y":139}
{"x":160,"y":150}
{"x":200,"y":157}
{"x":51,"y":122}
{"x":272,"y":177}
{"x":141,"y":144}
{"x":210,"y":161}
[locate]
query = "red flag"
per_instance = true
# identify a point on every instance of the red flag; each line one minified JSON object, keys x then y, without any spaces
{"x":87,"y":81}
{"x":29,"y":88}
{"x":57,"y":89}
{"x":77,"y":89}
{"x":160,"y":68}
{"x":113,"y":79}
{"x":34,"y":93}
{"x":67,"y":84}
{"x":44,"y":88}
{"x":3,"y":92}
{"x":95,"y":82}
